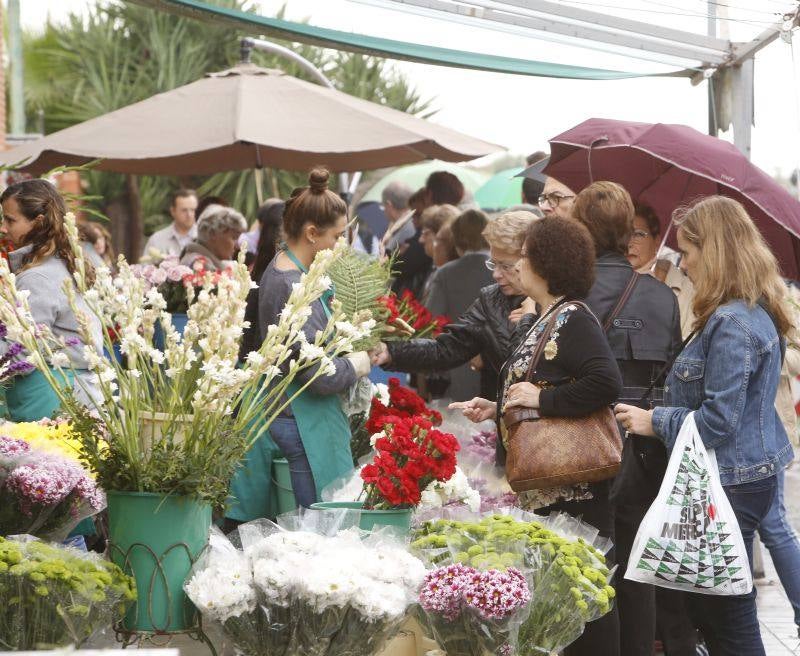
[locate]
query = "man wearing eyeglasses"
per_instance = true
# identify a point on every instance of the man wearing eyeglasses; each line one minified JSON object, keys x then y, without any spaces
{"x":556,"y":199}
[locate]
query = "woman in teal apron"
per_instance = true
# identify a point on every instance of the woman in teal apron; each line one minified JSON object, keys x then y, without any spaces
{"x":42,"y":260}
{"x":313,"y":434}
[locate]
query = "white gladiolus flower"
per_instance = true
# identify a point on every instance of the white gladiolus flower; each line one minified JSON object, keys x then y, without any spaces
{"x":60,"y":360}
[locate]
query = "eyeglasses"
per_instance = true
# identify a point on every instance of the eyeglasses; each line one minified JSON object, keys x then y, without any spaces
{"x":552,"y":199}
{"x":639,"y":235}
{"x":505,"y":268}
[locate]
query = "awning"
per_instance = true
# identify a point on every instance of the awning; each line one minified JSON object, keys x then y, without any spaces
{"x":254,"y":24}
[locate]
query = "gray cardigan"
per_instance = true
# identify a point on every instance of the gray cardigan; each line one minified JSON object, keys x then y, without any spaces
{"x":49,"y":304}
{"x":273,"y":293}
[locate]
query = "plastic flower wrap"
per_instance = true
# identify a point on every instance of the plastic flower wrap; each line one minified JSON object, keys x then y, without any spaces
{"x":475,"y":612}
{"x":43,"y":494}
{"x":48,"y":436}
{"x":314,"y":592}
{"x":53,"y":596}
{"x":563,"y":559}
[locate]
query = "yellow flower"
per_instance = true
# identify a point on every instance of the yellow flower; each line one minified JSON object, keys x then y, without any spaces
{"x":550,"y":350}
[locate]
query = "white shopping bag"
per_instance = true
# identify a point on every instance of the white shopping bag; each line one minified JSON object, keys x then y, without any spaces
{"x":690,"y":539}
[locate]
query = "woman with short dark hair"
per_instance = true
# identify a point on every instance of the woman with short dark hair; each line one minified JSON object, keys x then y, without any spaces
{"x":576,"y":376}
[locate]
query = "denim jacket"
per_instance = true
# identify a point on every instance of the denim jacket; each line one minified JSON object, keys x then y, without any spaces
{"x":729,"y":376}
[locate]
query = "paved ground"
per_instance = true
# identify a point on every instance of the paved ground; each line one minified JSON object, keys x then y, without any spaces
{"x":777,"y":620}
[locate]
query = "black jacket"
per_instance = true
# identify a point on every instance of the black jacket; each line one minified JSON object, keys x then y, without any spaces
{"x":484,"y":329}
{"x":643,"y":338}
{"x":647,"y":332}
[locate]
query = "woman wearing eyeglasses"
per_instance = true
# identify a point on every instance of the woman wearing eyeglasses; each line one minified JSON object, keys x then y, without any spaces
{"x":643,"y":256}
{"x":486,"y":328}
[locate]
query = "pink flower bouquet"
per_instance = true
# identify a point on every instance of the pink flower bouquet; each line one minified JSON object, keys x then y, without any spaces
{"x":43,"y":494}
{"x":473,"y":612}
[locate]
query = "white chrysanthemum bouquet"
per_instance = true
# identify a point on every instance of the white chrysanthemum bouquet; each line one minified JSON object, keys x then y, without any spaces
{"x":177,"y":419}
{"x":301,"y":593}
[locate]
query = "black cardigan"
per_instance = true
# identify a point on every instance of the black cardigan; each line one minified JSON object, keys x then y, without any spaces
{"x":581,"y":378}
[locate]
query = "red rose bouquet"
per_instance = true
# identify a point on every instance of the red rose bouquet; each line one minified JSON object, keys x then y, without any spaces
{"x":407,"y":317}
{"x":411,"y":454}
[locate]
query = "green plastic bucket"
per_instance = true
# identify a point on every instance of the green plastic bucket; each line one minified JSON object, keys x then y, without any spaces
{"x":398,"y":517}
{"x":283,"y":484}
{"x":156,"y":539}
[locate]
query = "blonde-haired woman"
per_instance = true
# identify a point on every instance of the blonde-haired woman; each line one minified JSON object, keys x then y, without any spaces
{"x":728,"y":376}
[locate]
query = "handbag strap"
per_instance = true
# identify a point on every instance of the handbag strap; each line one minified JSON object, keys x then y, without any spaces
{"x":543,"y":339}
{"x":623,"y":299}
{"x":667,"y":366}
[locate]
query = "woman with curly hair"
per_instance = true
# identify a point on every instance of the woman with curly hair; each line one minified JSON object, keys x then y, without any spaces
{"x":576,"y":377}
{"x":42,"y":260}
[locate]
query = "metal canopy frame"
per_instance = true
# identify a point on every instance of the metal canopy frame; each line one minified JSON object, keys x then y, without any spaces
{"x":710,"y":52}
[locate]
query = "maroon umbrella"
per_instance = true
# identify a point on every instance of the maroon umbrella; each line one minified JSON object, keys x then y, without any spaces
{"x":669,"y":165}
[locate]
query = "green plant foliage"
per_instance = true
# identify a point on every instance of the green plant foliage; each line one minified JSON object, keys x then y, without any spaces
{"x":359,"y":280}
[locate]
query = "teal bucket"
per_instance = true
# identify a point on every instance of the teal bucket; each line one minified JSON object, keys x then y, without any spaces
{"x":156,"y":538}
{"x":282,"y":480}
{"x":400,"y":518}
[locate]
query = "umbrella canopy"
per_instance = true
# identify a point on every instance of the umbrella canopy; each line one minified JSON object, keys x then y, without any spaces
{"x":666,"y":166}
{"x":247,"y":117}
{"x":415,"y":176}
{"x":500,"y":191}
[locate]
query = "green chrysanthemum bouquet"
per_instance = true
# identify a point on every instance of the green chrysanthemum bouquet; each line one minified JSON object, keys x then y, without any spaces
{"x":562,"y":557}
{"x":53,"y":596}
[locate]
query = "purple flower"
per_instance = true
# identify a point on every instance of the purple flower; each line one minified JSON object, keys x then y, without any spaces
{"x":493,"y":594}
{"x":442,"y":590}
{"x":87,"y":490}
{"x":10,"y":447}
{"x":72,"y":341}
{"x":3,"y":330}
{"x":496,"y":594}
{"x":45,"y":482}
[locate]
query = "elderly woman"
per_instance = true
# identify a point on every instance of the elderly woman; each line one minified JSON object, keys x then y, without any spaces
{"x":486,"y":327}
{"x":576,"y":377}
{"x":218,"y":231}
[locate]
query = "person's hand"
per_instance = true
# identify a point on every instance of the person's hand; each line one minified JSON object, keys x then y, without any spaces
{"x":528,"y":307}
{"x":635,"y":420}
{"x":522,"y":395}
{"x":516,"y":315}
{"x":477,"y":410}
{"x":379,"y":356}
{"x":476,"y":364}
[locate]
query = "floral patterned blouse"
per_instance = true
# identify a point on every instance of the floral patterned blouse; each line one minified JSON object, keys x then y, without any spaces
{"x":576,"y":373}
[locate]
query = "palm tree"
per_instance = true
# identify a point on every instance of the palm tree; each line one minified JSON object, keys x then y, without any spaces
{"x":122,"y":53}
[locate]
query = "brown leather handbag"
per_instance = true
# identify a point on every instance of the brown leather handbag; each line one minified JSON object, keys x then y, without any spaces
{"x":544,"y":452}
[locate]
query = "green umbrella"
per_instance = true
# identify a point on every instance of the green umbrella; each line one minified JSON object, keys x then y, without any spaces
{"x":500,"y":191}
{"x":415,"y":175}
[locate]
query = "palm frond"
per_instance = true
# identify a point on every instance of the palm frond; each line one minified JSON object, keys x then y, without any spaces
{"x":359,"y":280}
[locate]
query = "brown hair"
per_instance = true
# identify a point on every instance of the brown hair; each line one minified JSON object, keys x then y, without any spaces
{"x":444,"y":188}
{"x":445,"y":245}
{"x":181,"y":193}
{"x":562,"y":253}
{"x":606,"y":209}
{"x":109,"y":257}
{"x":435,"y":217}
{"x":648,"y":214}
{"x":315,"y":204}
{"x":468,"y":230}
{"x":49,"y":236}
{"x":735,"y":262}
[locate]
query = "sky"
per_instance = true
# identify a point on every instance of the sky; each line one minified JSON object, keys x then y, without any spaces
{"x":520,"y":112}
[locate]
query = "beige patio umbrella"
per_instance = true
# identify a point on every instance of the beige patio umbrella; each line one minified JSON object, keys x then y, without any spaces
{"x":247,"y":117}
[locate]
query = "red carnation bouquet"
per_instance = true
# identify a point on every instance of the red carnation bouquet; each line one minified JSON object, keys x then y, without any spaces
{"x":404,"y":403}
{"x":407,"y":317}
{"x":410,"y":453}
